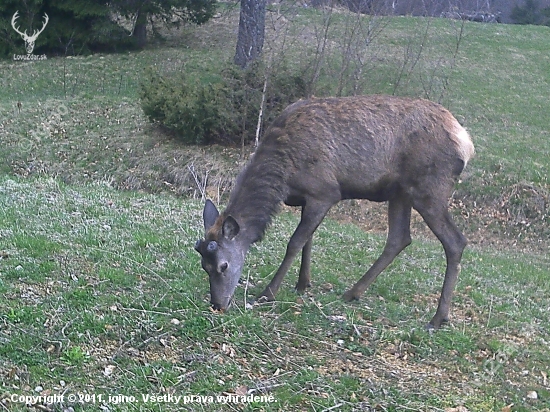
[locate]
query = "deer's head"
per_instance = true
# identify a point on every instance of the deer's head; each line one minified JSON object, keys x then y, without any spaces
{"x":223,"y":253}
{"x":29,"y":40}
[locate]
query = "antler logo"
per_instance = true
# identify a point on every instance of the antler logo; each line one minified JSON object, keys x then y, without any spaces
{"x":29,"y":40}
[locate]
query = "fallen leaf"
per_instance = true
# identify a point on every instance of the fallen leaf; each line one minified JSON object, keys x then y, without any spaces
{"x":242,"y":390}
{"x":327,"y":286}
{"x":457,"y":409}
{"x":12,"y":373}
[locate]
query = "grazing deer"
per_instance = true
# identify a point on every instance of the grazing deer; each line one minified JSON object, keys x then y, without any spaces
{"x":29,"y":40}
{"x":317,"y":152}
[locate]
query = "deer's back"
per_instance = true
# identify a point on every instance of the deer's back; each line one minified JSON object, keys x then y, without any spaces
{"x":365,"y":145}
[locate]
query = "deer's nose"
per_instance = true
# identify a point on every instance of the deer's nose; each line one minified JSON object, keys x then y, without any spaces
{"x":217,"y":307}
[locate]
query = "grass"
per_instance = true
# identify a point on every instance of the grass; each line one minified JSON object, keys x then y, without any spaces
{"x":104,"y":296}
{"x":80,"y":120}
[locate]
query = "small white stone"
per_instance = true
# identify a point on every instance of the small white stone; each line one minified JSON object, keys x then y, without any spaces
{"x":109,"y":369}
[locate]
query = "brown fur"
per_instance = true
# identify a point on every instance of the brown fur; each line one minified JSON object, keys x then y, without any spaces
{"x":382,"y":148}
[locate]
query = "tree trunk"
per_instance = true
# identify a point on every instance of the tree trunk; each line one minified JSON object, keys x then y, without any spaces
{"x":251,"y":32}
{"x":140,"y":30}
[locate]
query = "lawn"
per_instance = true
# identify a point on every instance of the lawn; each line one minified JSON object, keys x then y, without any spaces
{"x":105,"y":305}
{"x":104,"y":295}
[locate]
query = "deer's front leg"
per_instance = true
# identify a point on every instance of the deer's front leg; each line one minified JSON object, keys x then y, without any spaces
{"x":312,"y":215}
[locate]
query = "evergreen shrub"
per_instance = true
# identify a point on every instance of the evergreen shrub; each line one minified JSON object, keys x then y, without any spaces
{"x":224,"y":109}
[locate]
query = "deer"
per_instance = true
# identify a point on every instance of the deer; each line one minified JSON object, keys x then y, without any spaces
{"x":403,"y":151}
{"x":29,"y":40}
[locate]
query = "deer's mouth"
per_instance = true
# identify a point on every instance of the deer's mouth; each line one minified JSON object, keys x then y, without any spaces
{"x":220,"y":307}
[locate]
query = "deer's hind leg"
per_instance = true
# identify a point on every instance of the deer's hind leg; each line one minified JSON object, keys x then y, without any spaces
{"x":304,"y":278}
{"x":399,"y":237}
{"x":437,"y":216}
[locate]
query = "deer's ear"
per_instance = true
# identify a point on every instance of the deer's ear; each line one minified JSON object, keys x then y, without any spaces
{"x":209,"y":214}
{"x":230,"y":228}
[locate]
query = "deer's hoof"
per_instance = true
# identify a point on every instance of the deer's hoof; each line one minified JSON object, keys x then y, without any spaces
{"x":302,"y":288}
{"x":436,"y":324}
{"x":350,"y":296}
{"x":265,"y":296}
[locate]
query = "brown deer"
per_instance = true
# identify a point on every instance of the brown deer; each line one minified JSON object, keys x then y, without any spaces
{"x":317,"y":152}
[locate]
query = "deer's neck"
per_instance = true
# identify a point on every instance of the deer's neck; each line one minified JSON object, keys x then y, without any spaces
{"x":259,"y":191}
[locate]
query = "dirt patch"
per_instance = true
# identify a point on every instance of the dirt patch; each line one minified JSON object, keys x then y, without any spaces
{"x":489,"y":223}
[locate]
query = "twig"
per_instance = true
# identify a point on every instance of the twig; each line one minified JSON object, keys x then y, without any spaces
{"x":411,"y":58}
{"x":459,"y":37}
{"x":246,"y":288}
{"x":160,"y":300}
{"x":490,"y":312}
{"x":318,"y":306}
{"x":261,"y":114}
{"x":320,"y":50}
{"x":151,"y":338}
{"x":65,"y":76}
{"x":69,"y":323}
{"x":264,"y":388}
{"x":333,"y":407}
{"x":202,"y":189}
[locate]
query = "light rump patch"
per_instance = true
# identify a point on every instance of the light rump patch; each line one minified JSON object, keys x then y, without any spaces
{"x":464,"y":143}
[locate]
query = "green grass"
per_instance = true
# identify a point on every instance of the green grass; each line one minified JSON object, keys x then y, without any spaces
{"x":80,"y":119}
{"x":103,"y":294}
{"x":122,"y":308}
